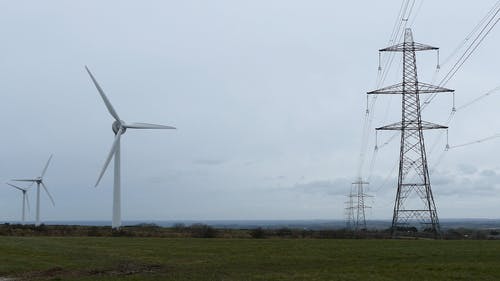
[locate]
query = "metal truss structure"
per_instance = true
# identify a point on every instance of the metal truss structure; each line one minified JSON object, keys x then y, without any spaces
{"x":355,"y":210}
{"x":414,"y":207}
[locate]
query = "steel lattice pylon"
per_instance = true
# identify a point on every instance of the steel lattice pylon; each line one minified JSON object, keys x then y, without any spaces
{"x":356,"y":206}
{"x":414,"y":208}
{"x":349,"y":211}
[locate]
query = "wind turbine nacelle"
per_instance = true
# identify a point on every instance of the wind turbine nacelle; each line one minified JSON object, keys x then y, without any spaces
{"x":116,"y":126}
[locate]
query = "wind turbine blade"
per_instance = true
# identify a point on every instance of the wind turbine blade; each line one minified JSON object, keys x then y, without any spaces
{"x":103,"y":96}
{"x":28,"y":203}
{"x":48,"y":193}
{"x":46,"y":166}
{"x":146,"y":126}
{"x":110,"y":155}
{"x":15,"y":186}
{"x":31,"y":180}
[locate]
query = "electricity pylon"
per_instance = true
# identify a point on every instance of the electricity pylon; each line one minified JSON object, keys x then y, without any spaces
{"x":349,"y":210}
{"x":355,"y":210}
{"x":414,"y":207}
{"x":360,"y":218}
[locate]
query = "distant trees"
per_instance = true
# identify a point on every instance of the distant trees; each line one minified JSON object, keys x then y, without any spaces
{"x":258,"y":233}
{"x":206,"y":231}
{"x":202,"y":231}
{"x":179,"y":227}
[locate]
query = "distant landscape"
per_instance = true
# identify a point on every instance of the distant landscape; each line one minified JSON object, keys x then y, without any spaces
{"x":457,"y":229}
{"x":295,"y":224}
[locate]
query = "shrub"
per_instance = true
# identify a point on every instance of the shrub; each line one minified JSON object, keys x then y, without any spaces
{"x":284,"y":232}
{"x":258,"y":233}
{"x":203,"y":231}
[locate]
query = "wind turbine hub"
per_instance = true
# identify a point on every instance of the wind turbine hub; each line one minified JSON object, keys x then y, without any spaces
{"x":116,"y":126}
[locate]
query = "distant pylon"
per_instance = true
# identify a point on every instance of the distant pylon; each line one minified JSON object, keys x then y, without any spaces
{"x":349,"y":210}
{"x":355,"y":210}
{"x":360,"y":220}
{"x":414,"y":207}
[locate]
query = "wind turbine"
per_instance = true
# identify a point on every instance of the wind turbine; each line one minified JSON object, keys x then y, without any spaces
{"x":119,"y":128}
{"x":39,"y":182}
{"x":25,"y":200}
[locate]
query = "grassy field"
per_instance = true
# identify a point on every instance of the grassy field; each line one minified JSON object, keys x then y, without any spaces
{"x":120,"y":258}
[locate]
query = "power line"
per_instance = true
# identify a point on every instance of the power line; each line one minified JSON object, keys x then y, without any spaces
{"x":478,"y":98}
{"x":416,"y":14}
{"x":396,"y":36}
{"x":404,"y":13}
{"x":469,"y":51}
{"x":467,"y":38}
{"x":465,"y":56}
{"x":454,"y":70}
{"x":497,"y":135}
{"x":450,"y":118}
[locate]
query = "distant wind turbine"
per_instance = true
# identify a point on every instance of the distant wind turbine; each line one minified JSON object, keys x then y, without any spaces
{"x":119,"y":127}
{"x":25,"y":200}
{"x":39,"y":181}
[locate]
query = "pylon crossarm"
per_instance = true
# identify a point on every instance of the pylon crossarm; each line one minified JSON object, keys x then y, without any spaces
{"x":421,"y":88}
{"x":409,"y":46}
{"x":425,"y":88}
{"x":413,"y":125}
{"x":360,"y":182}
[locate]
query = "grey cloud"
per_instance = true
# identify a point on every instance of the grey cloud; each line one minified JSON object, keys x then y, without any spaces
{"x":488,"y":173}
{"x":467,"y":169}
{"x":328,"y":187}
{"x":209,"y":162}
{"x":442,"y":179}
{"x":474,"y":183}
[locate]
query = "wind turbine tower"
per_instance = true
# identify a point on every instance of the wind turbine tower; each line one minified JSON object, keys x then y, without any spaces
{"x":119,"y":127}
{"x":25,"y":201}
{"x":39,"y":182}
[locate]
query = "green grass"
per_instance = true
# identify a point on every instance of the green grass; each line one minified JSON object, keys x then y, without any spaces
{"x":87,"y":258}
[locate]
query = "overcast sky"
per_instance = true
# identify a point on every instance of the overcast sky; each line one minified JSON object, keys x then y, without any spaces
{"x":268,"y":98}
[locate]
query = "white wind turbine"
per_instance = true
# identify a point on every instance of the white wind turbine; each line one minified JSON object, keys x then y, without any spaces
{"x":25,"y":200}
{"x":39,"y":181}
{"x":119,"y":127}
